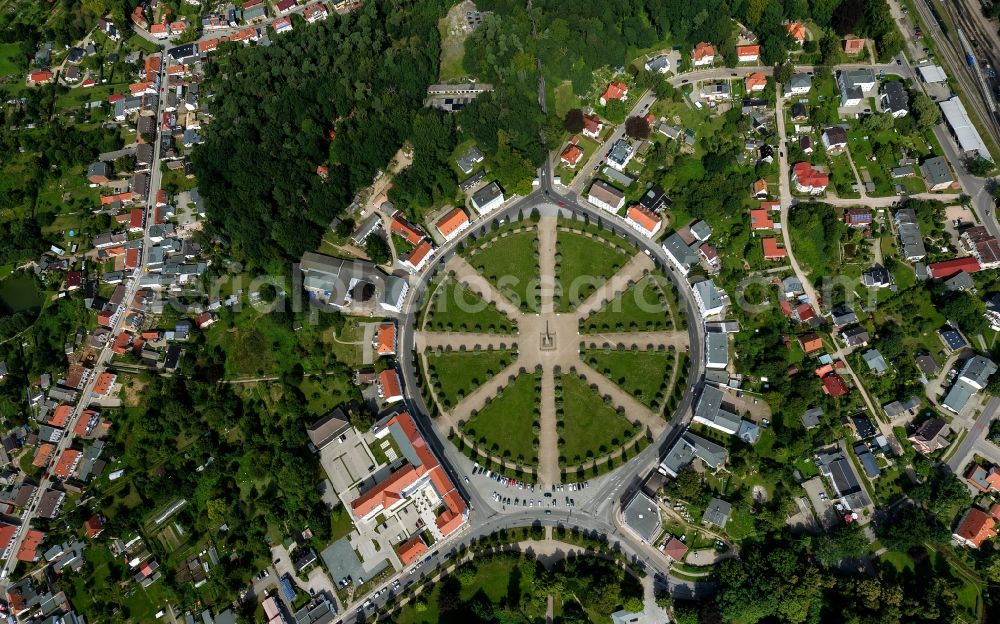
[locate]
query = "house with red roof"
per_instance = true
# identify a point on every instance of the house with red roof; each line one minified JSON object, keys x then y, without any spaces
{"x":384,"y":341}
{"x":284,"y":6}
{"x":948,"y":268}
{"x":975,"y":527}
{"x":772,"y":251}
{"x":571,"y":155}
{"x":703,"y":54}
{"x":411,"y":550}
{"x":796,"y":31}
{"x":42,"y":455}
{"x":28,"y":551}
{"x":405,"y":230}
{"x":748,"y":53}
{"x":760,"y":219}
{"x":7,"y":533}
{"x":858,"y":217}
{"x":159,"y":30}
{"x":60,"y":415}
{"x":755,"y":82}
{"x":42,"y":76}
{"x":390,"y":389}
{"x":453,"y":223}
{"x":418,"y":256}
{"x":67,"y":462}
{"x":834,"y":386}
{"x":674,"y":549}
{"x":139,"y":19}
{"x":592,"y":125}
{"x":808,"y":179}
{"x":617,"y":90}
{"x":94,"y":526}
{"x":853,"y":45}
{"x":282,"y":24}
{"x":644,"y":220}
{"x":810,"y":343}
{"x":105,"y":381}
{"x":315,"y":13}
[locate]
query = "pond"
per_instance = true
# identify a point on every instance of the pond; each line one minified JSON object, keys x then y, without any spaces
{"x":19,"y":293}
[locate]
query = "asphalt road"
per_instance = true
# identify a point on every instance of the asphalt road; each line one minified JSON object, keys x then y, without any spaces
{"x":105,"y":355}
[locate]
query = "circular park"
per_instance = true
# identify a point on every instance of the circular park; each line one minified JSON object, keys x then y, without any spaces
{"x":553,"y":349}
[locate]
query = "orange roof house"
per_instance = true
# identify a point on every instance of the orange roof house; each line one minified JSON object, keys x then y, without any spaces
{"x":760,"y":188}
{"x":810,"y":343}
{"x":674,"y":549}
{"x":419,"y":255}
{"x":982,"y":479}
{"x":756,"y":81}
{"x":393,"y":490}
{"x":975,"y":528}
{"x":402,"y":228}
{"x":452,"y":223}
{"x":82,"y":423}
{"x":389,"y":386}
{"x":760,"y":219}
{"x":42,"y":455}
{"x":29,"y":545}
{"x":322,"y":171}
{"x":104,"y":383}
{"x":703,"y":54}
{"x":94,"y":526}
{"x":796,"y":31}
{"x":571,"y":155}
{"x":60,"y":416}
{"x":808,"y":179}
{"x":39,"y":77}
{"x":853,"y":45}
{"x":410,"y":550}
{"x":772,"y":251}
{"x":643,"y":219}
{"x":7,"y":532}
{"x":834,"y":385}
{"x":67,"y":463}
{"x":385,"y":339}
{"x":616,"y":90}
{"x":747,"y":53}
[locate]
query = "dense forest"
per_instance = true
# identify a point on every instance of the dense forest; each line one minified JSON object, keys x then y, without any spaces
{"x":360,"y":75}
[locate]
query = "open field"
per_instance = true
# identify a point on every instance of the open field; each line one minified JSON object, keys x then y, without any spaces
{"x":592,"y":428}
{"x":458,"y":373}
{"x":504,"y":426}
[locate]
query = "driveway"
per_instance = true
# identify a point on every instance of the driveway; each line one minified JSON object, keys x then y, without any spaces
{"x":824,"y":508}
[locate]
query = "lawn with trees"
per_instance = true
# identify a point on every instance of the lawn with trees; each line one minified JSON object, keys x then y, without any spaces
{"x":455,"y":374}
{"x":644,"y":306}
{"x":588,"y":426}
{"x":456,"y":308}
{"x":507,"y":426}
{"x":510,"y":262}
{"x":645,"y":375}
{"x":583,"y":263}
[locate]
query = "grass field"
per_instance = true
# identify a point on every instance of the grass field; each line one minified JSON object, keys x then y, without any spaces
{"x":643,"y":374}
{"x":453,"y":33}
{"x":583,"y":264}
{"x":10,"y":59}
{"x":457,"y":308}
{"x":565,"y":99}
{"x":504,"y":426}
{"x":457,"y":374}
{"x":643,"y":307}
{"x":510,"y":263}
{"x":592,"y":428}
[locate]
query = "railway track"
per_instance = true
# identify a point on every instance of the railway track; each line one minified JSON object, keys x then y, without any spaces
{"x":980,"y":97}
{"x":985,"y":48}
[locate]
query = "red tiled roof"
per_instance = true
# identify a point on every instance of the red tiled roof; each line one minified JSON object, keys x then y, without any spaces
{"x":93,"y":526}
{"x":810,"y":343}
{"x":131,"y":258}
{"x":40,"y":76}
{"x":976,"y":527}
{"x":411,"y":549}
{"x":703,"y":50}
{"x":452,"y":221}
{"x":81,"y":423}
{"x":760,"y":219}
{"x":29,"y":545}
{"x":948,"y":268}
{"x":646,"y":218}
{"x":7,"y":532}
{"x":675,"y":549}
{"x":61,"y":416}
{"x":67,"y":461}
{"x":834,"y":385}
{"x":386,"y":339}
{"x":615,"y":91}
{"x":419,"y":253}
{"x":755,"y":81}
{"x":748,"y":50}
{"x":42,"y":455}
{"x":772,"y":251}
{"x":760,"y":187}
{"x":853,"y":46}
{"x":797,"y":31}
{"x":104,"y":383}
{"x":389,"y":381}
{"x":402,"y":228}
{"x":571,"y":155}
{"x":807,"y":175}
{"x":592,"y":123}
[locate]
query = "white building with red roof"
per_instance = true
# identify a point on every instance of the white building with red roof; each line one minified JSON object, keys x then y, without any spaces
{"x":617,"y":90}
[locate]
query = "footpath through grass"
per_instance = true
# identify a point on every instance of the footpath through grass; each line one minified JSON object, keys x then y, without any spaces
{"x":505,"y":426}
{"x":582,"y":264}
{"x":643,"y":374}
{"x":456,"y":374}
{"x":510,"y":263}
{"x":588,"y":427}
{"x":642,"y":307}
{"x":456,"y":308}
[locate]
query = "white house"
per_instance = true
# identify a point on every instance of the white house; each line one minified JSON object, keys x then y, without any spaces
{"x":710,"y":299}
{"x":644,"y":220}
{"x":487,"y":198}
{"x":605,"y":196}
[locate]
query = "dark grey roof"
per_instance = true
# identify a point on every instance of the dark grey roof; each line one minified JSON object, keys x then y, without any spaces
{"x":978,"y":370}
{"x":936,"y":171}
{"x":717,"y":512}
{"x":328,"y":427}
{"x":642,"y":515}
{"x":653,"y":198}
{"x":486,"y":194}
{"x":953,"y":339}
{"x":894,"y":96}
{"x":810,"y":418}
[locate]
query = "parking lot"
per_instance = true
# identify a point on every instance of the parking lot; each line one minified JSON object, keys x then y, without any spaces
{"x":508,"y":494}
{"x":823,"y":506}
{"x":346,"y":461}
